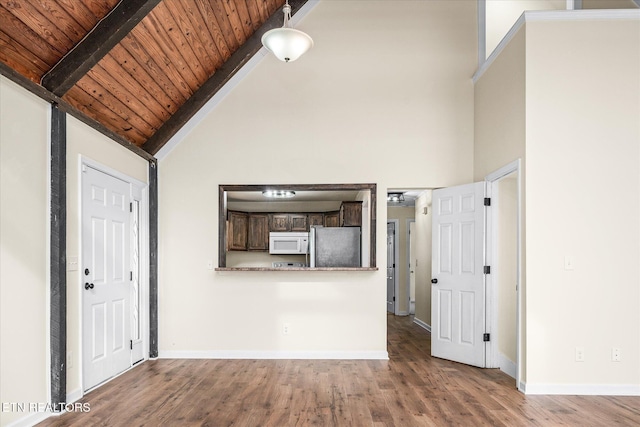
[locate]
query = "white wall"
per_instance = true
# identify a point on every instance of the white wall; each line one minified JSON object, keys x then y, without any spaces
{"x":583,"y":201}
{"x":24,"y":242}
{"x":336,"y":115}
{"x":423,"y":258}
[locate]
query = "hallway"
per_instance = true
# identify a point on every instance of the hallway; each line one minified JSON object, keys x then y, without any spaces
{"x":411,"y":389}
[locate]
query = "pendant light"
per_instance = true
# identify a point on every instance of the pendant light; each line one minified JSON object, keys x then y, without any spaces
{"x":287,"y":43}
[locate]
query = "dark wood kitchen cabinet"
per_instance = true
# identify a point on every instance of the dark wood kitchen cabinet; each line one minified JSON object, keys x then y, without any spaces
{"x":332,"y":219}
{"x":258,"y":232}
{"x":288,"y":222}
{"x":299,"y":222}
{"x":238,"y":228}
{"x":351,"y":214}
{"x":316,"y":219}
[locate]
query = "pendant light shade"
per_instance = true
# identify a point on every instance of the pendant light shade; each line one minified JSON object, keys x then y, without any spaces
{"x":287,"y":43}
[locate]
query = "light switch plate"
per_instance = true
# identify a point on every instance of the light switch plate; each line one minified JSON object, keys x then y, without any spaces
{"x":72,"y":263}
{"x":569,"y":262}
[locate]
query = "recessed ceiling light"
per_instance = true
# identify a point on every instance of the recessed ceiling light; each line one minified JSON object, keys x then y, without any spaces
{"x":279,"y":194}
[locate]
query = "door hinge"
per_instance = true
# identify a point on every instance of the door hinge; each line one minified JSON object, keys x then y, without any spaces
{"x":487,"y":269}
{"x":487,"y":201}
{"x":131,"y":276}
{"x":486,"y":337}
{"x":131,"y":207}
{"x":131,"y":344}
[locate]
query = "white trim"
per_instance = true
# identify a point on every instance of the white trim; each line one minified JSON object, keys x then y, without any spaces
{"x":47,"y":263}
{"x":396,"y":271}
{"x":493,"y":359}
{"x":227,"y":88}
{"x":482,"y":32}
{"x":74,"y":395}
{"x":291,"y":355}
{"x":507,"y":365}
{"x":33,"y":418}
{"x":554,"y":15}
{"x":422,"y":324}
{"x":574,"y":4}
{"x":584,"y":389}
{"x":407,"y":263}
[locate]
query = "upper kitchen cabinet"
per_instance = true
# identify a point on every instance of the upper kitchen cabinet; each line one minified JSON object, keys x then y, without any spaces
{"x":258,"y":232}
{"x":316,"y":219}
{"x":351,"y":214}
{"x":238,"y":228}
{"x":332,"y":219}
{"x":288,"y":222}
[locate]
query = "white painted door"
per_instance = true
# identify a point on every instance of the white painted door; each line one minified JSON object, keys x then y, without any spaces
{"x":457,"y":290}
{"x":106,"y":284}
{"x":391,"y":263}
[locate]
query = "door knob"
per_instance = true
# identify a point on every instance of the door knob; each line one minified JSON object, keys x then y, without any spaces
{"x":434,"y":281}
{"x":88,"y":285}
{"x":86,"y":271}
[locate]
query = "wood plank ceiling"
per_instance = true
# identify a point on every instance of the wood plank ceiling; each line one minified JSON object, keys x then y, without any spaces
{"x":136,"y":70}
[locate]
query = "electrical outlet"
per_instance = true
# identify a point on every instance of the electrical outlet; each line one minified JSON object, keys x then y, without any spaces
{"x":616,"y":354}
{"x":286,"y":329}
{"x":579,"y":354}
{"x":69,"y":360}
{"x":72,"y":263}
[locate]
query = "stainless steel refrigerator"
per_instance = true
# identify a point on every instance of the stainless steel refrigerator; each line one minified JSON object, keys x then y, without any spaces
{"x":334,"y":247}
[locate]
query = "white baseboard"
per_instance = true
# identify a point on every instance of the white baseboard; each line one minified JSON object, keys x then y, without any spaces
{"x":31,"y":419}
{"x":422,"y":324}
{"x":34,"y":418}
{"x":74,"y":395}
{"x":320,"y":355}
{"x":506,"y":365}
{"x":583,"y":389}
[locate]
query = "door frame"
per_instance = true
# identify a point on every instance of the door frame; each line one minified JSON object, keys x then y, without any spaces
{"x":396,"y":256}
{"x":491,"y":259}
{"x":144,"y":260}
{"x":408,"y":263}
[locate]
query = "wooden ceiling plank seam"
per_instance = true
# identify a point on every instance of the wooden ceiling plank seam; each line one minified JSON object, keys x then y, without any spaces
{"x":214,"y":28}
{"x":94,"y":108}
{"x":62,"y":20}
{"x":192,"y":10}
{"x":215,"y":83}
{"x":85,"y":18}
{"x":181,"y":42}
{"x":131,"y":85}
{"x":115,"y":105}
{"x":13,"y":54}
{"x":142,"y":78}
{"x":263,"y":9}
{"x":136,"y":50}
{"x":52,"y":98}
{"x":39,"y":23}
{"x":254,"y":14}
{"x":107,"y":33}
{"x":225,"y":25}
{"x":190,"y":33}
{"x":22,"y":34}
{"x":245,"y":19}
{"x":128,"y":97}
{"x":156,"y":53}
{"x":100,"y":8}
{"x":235,"y":21}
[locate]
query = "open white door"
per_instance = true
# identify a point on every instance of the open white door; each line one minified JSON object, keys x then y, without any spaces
{"x":106,"y":285}
{"x":458,"y":291}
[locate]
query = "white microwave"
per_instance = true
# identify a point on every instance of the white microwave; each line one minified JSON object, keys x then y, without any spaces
{"x":285,"y":243}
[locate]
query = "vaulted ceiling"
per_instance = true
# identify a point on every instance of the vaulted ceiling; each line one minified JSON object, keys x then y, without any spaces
{"x":136,"y":70}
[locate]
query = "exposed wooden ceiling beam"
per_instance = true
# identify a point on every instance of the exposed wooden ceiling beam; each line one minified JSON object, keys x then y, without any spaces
{"x":43,"y":93}
{"x":216,"y":82}
{"x":100,"y":40}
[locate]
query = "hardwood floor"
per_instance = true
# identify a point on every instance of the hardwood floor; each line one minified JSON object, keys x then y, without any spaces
{"x":411,"y":389}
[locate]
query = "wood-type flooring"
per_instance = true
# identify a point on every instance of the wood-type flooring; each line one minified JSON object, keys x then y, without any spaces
{"x":410,"y":389}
